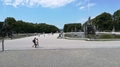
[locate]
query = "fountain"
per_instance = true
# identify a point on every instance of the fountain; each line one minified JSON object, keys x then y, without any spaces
{"x":91,"y":33}
{"x":89,"y":27}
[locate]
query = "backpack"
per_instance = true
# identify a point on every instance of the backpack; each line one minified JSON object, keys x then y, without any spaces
{"x":33,"y":41}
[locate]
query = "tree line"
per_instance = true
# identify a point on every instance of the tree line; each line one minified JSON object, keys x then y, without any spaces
{"x":72,"y":27}
{"x":106,"y":21}
{"x":20,"y":26}
{"x":103,"y":22}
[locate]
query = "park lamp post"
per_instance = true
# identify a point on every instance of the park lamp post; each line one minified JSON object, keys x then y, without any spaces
{"x":4,"y":32}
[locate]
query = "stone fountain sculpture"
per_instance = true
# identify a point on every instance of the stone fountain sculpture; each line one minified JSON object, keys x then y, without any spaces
{"x":89,"y":28}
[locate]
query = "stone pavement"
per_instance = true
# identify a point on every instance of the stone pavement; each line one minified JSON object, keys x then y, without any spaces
{"x":55,"y":52}
{"x":51,"y":42}
{"x":87,"y":57}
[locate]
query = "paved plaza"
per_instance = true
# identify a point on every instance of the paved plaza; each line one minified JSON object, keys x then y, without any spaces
{"x":55,"y":52}
{"x":51,"y":42}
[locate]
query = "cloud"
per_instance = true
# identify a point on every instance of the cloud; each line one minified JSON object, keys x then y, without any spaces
{"x":92,"y":17}
{"x":82,"y":20}
{"x":7,"y":1}
{"x":79,"y":3}
{"x":43,"y":3}
{"x":83,"y":4}
{"x":82,"y":7}
{"x":91,"y":4}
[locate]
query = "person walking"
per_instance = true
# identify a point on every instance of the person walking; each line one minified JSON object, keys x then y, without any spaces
{"x":34,"y":41}
{"x":37,"y":43}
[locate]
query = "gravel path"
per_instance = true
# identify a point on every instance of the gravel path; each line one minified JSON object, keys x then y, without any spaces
{"x":55,"y":52}
{"x":51,"y":42}
{"x":108,"y":57}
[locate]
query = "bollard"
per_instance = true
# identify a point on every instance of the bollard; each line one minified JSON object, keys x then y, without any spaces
{"x":2,"y":45}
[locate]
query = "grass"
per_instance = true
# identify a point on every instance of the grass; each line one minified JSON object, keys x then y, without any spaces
{"x":117,"y":36}
{"x":109,"y":36}
{"x":68,"y":35}
{"x":101,"y":36}
{"x":105,"y":36}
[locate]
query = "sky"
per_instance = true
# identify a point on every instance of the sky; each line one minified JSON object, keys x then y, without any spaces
{"x":56,"y":12}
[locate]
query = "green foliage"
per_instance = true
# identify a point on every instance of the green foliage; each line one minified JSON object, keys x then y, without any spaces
{"x":73,"y":27}
{"x":103,"y":22}
{"x":11,"y":22}
{"x":106,"y":21}
{"x":117,"y":36}
{"x":105,"y":36}
{"x":1,"y":23}
{"x":108,"y":36}
{"x":68,"y":35}
{"x":27,"y":27}
{"x":116,"y":17}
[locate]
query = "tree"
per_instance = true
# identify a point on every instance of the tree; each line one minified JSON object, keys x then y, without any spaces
{"x":27,"y":27}
{"x":1,"y":23}
{"x":10,"y":21}
{"x":116,"y":17}
{"x":73,"y":27}
{"x":103,"y":22}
